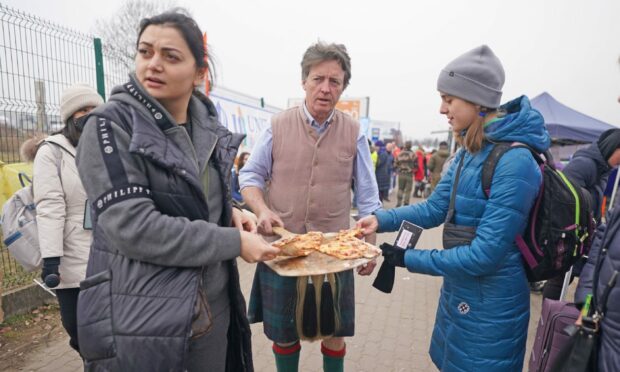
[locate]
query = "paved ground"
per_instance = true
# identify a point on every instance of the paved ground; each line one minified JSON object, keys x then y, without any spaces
{"x":392,"y":331}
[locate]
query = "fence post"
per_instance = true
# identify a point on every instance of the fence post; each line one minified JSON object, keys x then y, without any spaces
{"x":99,"y":67}
{"x":39,"y":92}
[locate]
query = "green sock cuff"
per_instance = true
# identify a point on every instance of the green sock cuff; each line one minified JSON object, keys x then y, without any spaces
{"x":333,"y":360}
{"x":287,"y":358}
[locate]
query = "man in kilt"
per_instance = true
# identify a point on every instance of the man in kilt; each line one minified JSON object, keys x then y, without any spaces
{"x":299,"y":176}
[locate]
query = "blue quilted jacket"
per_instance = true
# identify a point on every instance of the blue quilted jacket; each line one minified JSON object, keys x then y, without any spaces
{"x":483,"y":312}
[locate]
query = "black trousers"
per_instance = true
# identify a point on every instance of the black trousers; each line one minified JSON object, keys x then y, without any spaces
{"x":67,"y":299}
{"x":553,"y":287}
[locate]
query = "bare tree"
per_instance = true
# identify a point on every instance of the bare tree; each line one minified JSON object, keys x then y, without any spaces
{"x":119,"y":32}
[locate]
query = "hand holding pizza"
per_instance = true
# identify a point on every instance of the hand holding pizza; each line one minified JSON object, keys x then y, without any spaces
{"x":368,"y":225}
{"x":255,"y":249}
{"x":266,"y":220}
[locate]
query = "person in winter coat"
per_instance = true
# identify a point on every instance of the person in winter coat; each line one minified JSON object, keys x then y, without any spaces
{"x":383,"y":170}
{"x":420,"y":173}
{"x":406,"y":165}
{"x":435,"y":164}
{"x":482,"y":317}
{"x":602,"y":265}
{"x":60,"y":199}
{"x":373,"y":155}
{"x":162,"y":290}
{"x":589,"y":169}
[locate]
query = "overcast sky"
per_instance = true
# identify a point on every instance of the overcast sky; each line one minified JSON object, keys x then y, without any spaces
{"x":568,"y":48}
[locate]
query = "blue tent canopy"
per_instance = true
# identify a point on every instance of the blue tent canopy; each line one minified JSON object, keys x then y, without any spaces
{"x":565,"y":124}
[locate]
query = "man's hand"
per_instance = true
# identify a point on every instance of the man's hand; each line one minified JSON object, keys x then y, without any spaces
{"x":253,"y":196}
{"x":266,"y":220}
{"x":255,"y":249}
{"x":368,"y":268}
{"x":368,"y":224}
{"x":243,"y":221}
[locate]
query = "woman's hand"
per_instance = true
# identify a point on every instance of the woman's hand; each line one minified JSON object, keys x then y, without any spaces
{"x":243,"y":221}
{"x":255,"y":249}
{"x":368,"y":224}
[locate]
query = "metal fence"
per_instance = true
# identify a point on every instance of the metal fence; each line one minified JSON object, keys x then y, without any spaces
{"x":38,"y":59}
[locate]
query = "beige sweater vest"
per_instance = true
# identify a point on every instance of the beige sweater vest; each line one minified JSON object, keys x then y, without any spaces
{"x":310,"y":187}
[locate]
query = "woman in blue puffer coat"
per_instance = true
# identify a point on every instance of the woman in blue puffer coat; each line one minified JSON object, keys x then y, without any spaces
{"x":482,"y":317}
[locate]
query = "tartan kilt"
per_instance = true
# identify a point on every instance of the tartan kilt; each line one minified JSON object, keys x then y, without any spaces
{"x":274,"y":298}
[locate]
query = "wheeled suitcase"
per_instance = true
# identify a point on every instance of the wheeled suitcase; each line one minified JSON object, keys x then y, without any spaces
{"x":550,"y":335}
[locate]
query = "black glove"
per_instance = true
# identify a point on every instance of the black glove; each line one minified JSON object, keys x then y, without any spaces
{"x":385,"y":278}
{"x":50,"y":273}
{"x":393,"y":256}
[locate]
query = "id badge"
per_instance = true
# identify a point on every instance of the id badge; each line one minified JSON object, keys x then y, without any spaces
{"x":88,"y":222}
{"x":408,"y":235}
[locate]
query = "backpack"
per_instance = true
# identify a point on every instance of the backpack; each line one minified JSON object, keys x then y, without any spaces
{"x":561,"y":225}
{"x":19,"y":223}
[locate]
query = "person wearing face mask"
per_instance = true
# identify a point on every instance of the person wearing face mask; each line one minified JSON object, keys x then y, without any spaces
{"x":162,"y":291}
{"x":60,"y":202}
{"x":483,"y":313}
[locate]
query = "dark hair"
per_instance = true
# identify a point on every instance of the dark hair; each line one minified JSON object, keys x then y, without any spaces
{"x":70,"y":131}
{"x":443,"y":143}
{"x":321,"y":52}
{"x":179,"y":19}
{"x":408,"y":145}
{"x":241,"y":162}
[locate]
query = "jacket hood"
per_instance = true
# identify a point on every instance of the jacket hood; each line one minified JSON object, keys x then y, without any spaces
{"x":594,"y":152}
{"x":522,"y":124}
{"x":28,"y":150}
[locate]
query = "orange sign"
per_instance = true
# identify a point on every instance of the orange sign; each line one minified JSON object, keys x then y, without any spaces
{"x":351,"y":107}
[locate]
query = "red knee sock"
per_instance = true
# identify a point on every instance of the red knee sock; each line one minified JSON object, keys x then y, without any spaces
{"x":333,"y":360}
{"x":287,"y":357}
{"x":286,"y":350}
{"x":333,"y":353}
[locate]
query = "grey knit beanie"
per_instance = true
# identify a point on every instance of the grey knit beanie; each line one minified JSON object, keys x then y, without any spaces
{"x":77,"y":97}
{"x":476,"y":76}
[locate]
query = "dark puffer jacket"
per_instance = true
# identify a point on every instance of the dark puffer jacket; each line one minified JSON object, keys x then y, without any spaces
{"x":144,"y":298}
{"x":384,"y":170}
{"x":603,"y":261}
{"x":590,"y":170}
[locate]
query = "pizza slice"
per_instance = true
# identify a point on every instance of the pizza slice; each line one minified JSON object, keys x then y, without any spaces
{"x":349,"y":234}
{"x":299,"y":245}
{"x":346,"y":249}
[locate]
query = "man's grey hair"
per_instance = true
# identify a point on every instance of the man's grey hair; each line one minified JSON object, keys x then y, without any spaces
{"x":321,"y":52}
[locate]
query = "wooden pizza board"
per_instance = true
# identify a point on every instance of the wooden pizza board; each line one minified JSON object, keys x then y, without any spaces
{"x":317,"y":263}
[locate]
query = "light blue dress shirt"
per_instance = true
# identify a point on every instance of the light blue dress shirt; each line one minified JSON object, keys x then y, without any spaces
{"x":258,"y":168}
